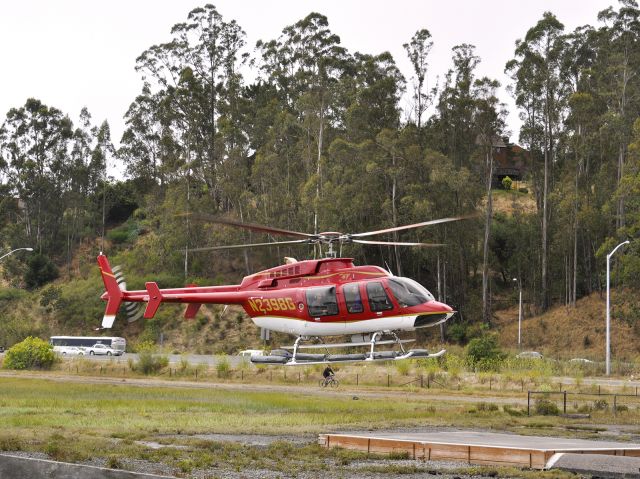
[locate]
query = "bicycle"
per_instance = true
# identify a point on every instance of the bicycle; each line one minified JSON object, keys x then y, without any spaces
{"x":329,"y":381}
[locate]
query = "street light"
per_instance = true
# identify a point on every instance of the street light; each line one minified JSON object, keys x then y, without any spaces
{"x":13,"y":251}
{"x":519,"y":314}
{"x":608,"y":346}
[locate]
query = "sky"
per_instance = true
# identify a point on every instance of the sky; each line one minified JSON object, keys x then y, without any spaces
{"x":81,"y":53}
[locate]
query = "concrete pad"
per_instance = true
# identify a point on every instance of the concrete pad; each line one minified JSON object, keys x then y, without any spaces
{"x":492,"y":439}
{"x":597,"y":465}
{"x":14,"y":467}
{"x":475,"y":447}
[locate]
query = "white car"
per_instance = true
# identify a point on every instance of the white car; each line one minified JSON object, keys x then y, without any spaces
{"x":251,"y":352}
{"x":580,"y":361}
{"x":529,"y":355}
{"x":102,"y":350}
{"x":68,"y":350}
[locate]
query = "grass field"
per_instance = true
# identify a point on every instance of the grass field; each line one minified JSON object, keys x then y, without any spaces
{"x":113,"y":424}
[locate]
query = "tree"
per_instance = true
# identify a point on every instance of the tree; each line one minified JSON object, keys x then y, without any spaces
{"x":540,"y":92}
{"x":418,"y":50}
{"x":489,"y":123}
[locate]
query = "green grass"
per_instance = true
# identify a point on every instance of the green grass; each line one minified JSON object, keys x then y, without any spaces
{"x":75,"y":422}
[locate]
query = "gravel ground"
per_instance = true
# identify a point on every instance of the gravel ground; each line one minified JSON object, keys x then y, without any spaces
{"x":360,"y":469}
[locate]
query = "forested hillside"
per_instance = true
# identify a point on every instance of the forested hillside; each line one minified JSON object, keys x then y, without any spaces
{"x":301,"y":133}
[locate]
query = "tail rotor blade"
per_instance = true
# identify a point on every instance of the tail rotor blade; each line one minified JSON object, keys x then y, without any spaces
{"x":134,"y":310}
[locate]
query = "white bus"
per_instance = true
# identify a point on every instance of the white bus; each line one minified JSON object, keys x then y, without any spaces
{"x":119,"y":344}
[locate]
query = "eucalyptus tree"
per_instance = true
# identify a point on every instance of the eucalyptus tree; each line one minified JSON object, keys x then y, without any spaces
{"x":195,"y":73}
{"x":418,"y":50}
{"x":305,"y":64}
{"x":34,"y":142}
{"x":455,"y":106}
{"x":540,"y":93}
{"x":488,"y":119}
{"x":618,"y":73}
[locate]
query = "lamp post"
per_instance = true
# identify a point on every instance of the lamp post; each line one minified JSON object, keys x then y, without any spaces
{"x":519,"y":313}
{"x":608,"y":346}
{"x":13,"y":251}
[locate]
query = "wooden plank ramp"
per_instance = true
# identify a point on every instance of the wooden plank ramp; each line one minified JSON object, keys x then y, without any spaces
{"x":474,"y":447}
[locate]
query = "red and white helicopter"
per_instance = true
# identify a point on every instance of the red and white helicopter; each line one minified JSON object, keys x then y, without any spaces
{"x":310,"y":299}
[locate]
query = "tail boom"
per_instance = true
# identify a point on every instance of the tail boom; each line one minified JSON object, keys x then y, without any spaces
{"x":192,"y":295}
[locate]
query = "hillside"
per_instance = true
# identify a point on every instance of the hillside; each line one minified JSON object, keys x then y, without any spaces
{"x":564,"y":332}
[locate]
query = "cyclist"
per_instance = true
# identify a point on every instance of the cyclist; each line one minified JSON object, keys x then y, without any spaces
{"x":328,"y":372}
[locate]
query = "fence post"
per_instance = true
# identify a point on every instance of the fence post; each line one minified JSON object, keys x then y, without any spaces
{"x":565,"y":402}
{"x":428,"y":381}
{"x":271,"y":376}
{"x":388,"y":380}
{"x":490,"y":380}
{"x":522,"y":381}
{"x":196,"y":373}
{"x":357,"y":378}
{"x":241,"y":375}
{"x":285,"y":374}
{"x":615,"y":405}
{"x":599,"y":390}
{"x":528,"y":403}
{"x":421,"y":381}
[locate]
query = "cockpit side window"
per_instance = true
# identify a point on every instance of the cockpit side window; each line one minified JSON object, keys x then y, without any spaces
{"x":322,"y":301}
{"x":408,"y":292}
{"x":352,"y":298}
{"x":378,"y":299}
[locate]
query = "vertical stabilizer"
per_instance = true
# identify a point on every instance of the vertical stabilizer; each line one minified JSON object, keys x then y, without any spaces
{"x":114,"y":293}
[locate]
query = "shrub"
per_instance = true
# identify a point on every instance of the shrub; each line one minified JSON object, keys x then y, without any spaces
{"x":507,"y":182}
{"x":223,"y":369}
{"x":32,"y":353}
{"x":40,"y":270}
{"x":600,"y":405}
{"x":545,"y":407}
{"x":458,"y":333}
{"x":399,"y":455}
{"x":148,"y":361}
{"x":403,"y":367}
{"x":483,"y":352}
{"x":486,"y":407}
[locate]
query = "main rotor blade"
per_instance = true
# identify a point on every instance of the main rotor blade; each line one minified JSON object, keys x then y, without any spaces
{"x":248,"y":226}
{"x":397,"y":243}
{"x":416,"y":225}
{"x":254,"y":245}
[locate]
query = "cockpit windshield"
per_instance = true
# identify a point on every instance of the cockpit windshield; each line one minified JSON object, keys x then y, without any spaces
{"x":409,"y":292}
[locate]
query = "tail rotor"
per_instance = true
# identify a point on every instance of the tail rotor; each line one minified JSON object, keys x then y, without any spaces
{"x":134,"y":311}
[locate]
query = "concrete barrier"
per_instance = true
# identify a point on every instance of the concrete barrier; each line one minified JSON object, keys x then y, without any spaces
{"x":15,"y":467}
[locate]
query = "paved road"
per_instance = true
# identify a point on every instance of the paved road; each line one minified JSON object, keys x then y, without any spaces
{"x":174,"y":359}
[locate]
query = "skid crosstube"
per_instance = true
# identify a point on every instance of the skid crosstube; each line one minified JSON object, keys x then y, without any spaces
{"x":305,"y":359}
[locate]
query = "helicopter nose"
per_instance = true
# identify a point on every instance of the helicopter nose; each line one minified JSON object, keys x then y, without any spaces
{"x":440,"y":312}
{"x":443,"y":307}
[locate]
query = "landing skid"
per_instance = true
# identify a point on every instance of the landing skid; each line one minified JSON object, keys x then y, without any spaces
{"x":284,"y":357}
{"x":302,"y":359}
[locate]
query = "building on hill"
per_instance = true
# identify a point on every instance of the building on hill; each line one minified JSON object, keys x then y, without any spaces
{"x":509,"y":160}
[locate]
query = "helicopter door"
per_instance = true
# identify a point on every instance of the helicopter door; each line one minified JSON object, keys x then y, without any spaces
{"x":322,"y":306}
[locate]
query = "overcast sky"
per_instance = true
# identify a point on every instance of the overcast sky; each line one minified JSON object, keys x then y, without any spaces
{"x":75,"y":53}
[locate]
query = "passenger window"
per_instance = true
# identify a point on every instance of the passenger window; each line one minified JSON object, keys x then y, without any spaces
{"x":322,"y":301}
{"x":352,"y":298}
{"x":378,"y":299}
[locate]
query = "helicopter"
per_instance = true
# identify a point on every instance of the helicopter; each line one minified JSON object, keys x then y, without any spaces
{"x":309,"y":299}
